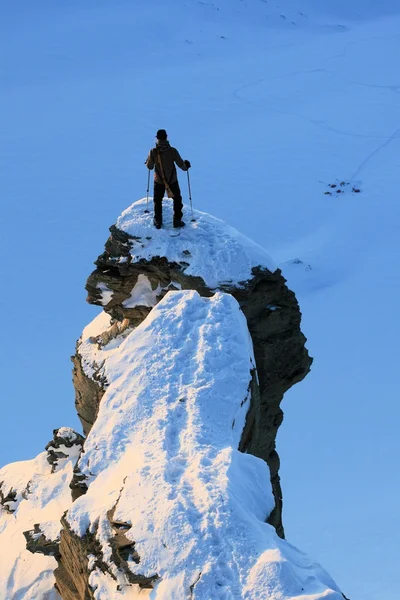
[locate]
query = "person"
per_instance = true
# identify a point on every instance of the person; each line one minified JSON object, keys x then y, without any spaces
{"x":162,"y":159}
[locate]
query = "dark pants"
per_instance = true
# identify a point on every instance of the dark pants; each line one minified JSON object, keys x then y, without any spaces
{"x":159,"y":191}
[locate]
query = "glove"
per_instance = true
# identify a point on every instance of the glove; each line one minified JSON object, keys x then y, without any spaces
{"x":187,"y":163}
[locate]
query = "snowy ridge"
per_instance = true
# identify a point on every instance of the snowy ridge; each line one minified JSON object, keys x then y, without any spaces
{"x":162,"y":457}
{"x":213,"y":250}
{"x":42,"y":495}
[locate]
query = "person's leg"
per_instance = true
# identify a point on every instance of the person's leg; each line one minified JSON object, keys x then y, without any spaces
{"x":159,"y":190}
{"x":177,"y":203}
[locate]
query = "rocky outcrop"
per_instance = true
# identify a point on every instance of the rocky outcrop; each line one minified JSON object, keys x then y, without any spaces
{"x":8,"y":498}
{"x":73,"y":572}
{"x":168,"y":492}
{"x":64,"y":439}
{"x":78,"y":557}
{"x":273,"y":318}
{"x":37,"y":542}
{"x":90,"y":389}
{"x":33,"y":496}
{"x":65,"y":445}
{"x":132,"y":275}
{"x":88,"y":393}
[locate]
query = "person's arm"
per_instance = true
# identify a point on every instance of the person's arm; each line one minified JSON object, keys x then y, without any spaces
{"x":150,"y":161}
{"x":182,"y":164}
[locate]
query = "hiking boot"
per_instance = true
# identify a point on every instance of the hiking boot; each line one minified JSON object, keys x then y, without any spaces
{"x":179,"y":224}
{"x":157,"y":224}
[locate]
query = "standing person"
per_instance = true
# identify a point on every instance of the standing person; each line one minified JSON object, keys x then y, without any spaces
{"x":163,"y":158}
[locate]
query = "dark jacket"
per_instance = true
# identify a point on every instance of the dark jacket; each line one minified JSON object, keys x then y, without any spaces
{"x":169,"y":156}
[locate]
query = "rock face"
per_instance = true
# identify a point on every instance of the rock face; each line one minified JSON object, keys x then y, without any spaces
{"x":72,"y":573}
{"x":131,"y":277}
{"x":74,"y":569}
{"x":88,"y":393}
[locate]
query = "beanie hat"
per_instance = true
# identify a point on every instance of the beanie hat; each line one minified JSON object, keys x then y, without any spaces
{"x":161,"y":134}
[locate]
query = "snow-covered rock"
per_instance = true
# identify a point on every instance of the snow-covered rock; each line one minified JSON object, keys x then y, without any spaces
{"x":207,"y":254}
{"x":33,"y":496}
{"x":175,"y":492}
{"x":173,"y":509}
{"x":141,"y":264}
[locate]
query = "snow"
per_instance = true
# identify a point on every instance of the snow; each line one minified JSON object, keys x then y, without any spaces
{"x":92,"y":352}
{"x":214,"y":251}
{"x":41,"y":497}
{"x":142,"y":294}
{"x":106,"y":294}
{"x":67,"y":433}
{"x":97,"y":326}
{"x":163,"y":452}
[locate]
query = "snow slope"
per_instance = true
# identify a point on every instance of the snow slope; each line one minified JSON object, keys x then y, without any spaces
{"x":269,"y":113}
{"x":163,"y":452}
{"x":42,"y":495}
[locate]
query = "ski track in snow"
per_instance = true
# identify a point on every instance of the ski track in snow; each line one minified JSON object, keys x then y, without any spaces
{"x":322,"y":69}
{"x":388,"y":140}
{"x":395,"y":136}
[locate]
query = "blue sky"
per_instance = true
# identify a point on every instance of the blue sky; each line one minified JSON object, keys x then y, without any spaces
{"x":269,"y":110}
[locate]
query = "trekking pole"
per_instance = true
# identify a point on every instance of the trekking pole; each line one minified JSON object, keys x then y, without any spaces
{"x":190,"y":196}
{"x":148,"y":187}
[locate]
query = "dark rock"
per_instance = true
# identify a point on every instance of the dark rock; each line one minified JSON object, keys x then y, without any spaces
{"x":36,"y":542}
{"x":63,"y":438}
{"x":88,"y":393}
{"x":123,"y":549}
{"x":7,"y":498}
{"x":73,"y":572}
{"x":25,"y":492}
{"x":78,"y":484}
